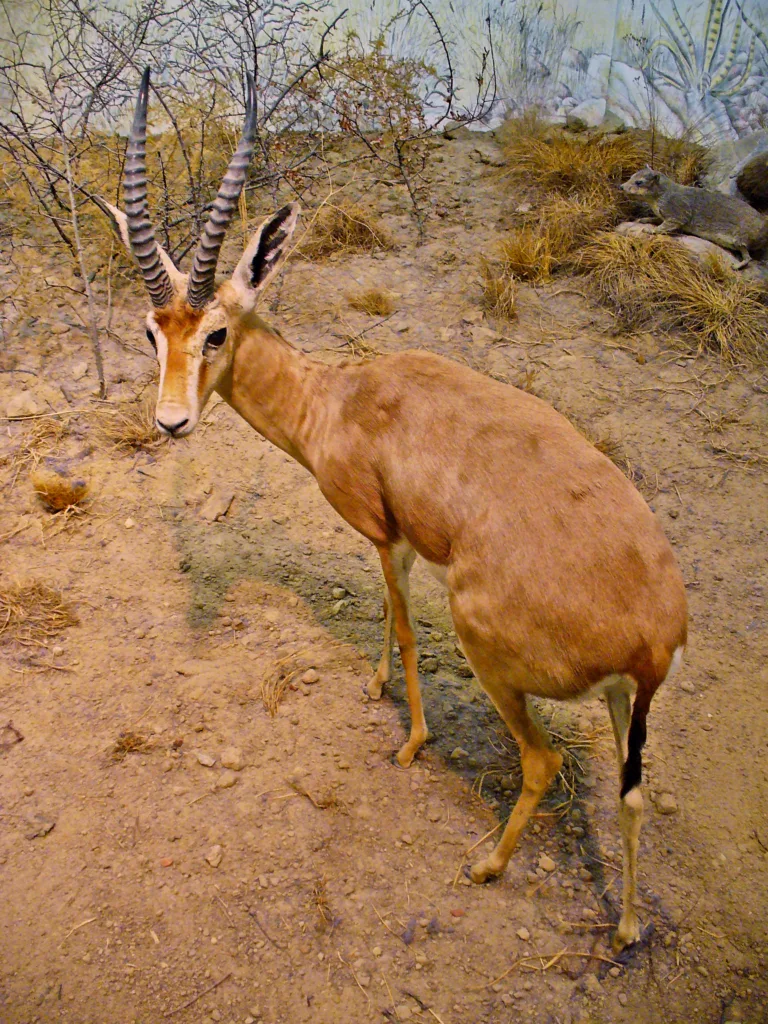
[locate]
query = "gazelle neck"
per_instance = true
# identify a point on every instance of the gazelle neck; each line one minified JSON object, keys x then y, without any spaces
{"x":276,"y":389}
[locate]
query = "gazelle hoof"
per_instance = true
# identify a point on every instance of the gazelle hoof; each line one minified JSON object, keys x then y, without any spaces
{"x":483,"y":871}
{"x":627,"y":934}
{"x":374,"y":688}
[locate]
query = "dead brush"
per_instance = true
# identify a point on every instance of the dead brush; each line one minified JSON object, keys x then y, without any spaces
{"x":131,"y":427}
{"x":343,"y":229}
{"x":577,"y":745}
{"x":373,"y":301}
{"x":56,"y":490}
{"x":653,"y":279}
{"x":499,"y":291}
{"x":128,"y":743}
{"x":33,"y":612}
{"x":43,"y":440}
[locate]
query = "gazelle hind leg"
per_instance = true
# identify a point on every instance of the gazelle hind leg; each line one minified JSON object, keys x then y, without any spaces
{"x":396,"y":563}
{"x":540,"y":764}
{"x":630,"y":818}
{"x":382,"y":674}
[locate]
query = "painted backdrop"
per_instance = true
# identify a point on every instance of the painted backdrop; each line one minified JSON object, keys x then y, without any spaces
{"x":690,"y":66}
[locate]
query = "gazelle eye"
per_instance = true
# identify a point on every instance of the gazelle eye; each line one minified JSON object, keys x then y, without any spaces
{"x":216,"y":338}
{"x":151,"y":339}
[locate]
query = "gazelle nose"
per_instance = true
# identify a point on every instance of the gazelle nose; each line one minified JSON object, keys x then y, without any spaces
{"x":172,"y":428}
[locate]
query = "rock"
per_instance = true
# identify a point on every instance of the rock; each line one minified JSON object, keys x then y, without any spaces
{"x":403,"y":1012}
{"x":523,"y":934}
{"x":588,"y":114}
{"x":727,"y":159}
{"x":191,"y":667}
{"x":458,"y":752}
{"x":546,"y":862}
{"x":310,"y":676}
{"x":687,"y":687}
{"x":622,"y":997}
{"x":40,"y":825}
{"x":408,"y":840}
{"x":23,"y":404}
{"x":430,"y":665}
{"x":666,"y":803}
{"x":214,"y":856}
{"x":206,"y":760}
{"x":129,"y":523}
{"x":484,"y":335}
{"x":226,"y":780}
{"x":217,"y":505}
{"x":752,"y":179}
{"x":232,"y":757}
{"x":591,"y":985}
{"x":338,"y":593}
{"x":79,"y":370}
{"x":377,"y":951}
{"x":166,"y":862}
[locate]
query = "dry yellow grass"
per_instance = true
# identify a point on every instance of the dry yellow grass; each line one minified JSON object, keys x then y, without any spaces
{"x":32,"y":612}
{"x":128,"y":743}
{"x":346,"y":228}
{"x":56,"y":490}
{"x":131,"y":427}
{"x":653,"y":279}
{"x":550,"y":159}
{"x":499,"y":291}
{"x":374,"y":301}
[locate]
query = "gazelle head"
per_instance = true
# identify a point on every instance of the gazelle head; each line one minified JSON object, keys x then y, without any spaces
{"x":193,"y":326}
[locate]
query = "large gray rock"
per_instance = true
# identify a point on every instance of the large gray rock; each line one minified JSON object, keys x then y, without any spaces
{"x":588,"y":114}
{"x":727,"y":159}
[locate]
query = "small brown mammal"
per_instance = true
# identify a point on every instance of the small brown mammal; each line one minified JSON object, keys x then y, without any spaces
{"x":721,"y":219}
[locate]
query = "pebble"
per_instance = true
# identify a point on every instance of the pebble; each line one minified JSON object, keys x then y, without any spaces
{"x":57,"y":651}
{"x":430,"y":665}
{"x":615,"y":972}
{"x":666,"y":803}
{"x":523,"y":934}
{"x":404,"y":1012}
{"x":546,"y":862}
{"x":408,"y":840}
{"x":23,"y":404}
{"x":78,"y":371}
{"x":166,"y":862}
{"x":377,"y":950}
{"x":338,"y":593}
{"x":458,"y":912}
{"x":310,"y":676}
{"x":226,"y":780}
{"x":206,"y":760}
{"x":214,"y":856}
{"x":687,"y":687}
{"x":622,"y":998}
{"x":129,"y":523}
{"x":459,"y":752}
{"x":232,"y":757}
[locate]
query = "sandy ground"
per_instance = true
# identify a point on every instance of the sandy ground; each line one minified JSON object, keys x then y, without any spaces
{"x":241,"y":867}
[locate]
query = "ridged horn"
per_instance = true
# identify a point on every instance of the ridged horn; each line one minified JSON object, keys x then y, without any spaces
{"x":202,"y":275}
{"x":140,"y":232}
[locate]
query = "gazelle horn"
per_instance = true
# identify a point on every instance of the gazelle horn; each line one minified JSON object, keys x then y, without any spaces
{"x":201,"y":278}
{"x":140,"y":232}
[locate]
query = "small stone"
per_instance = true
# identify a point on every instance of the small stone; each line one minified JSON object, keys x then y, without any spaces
{"x":263,"y":882}
{"x":338,"y":593}
{"x":23,"y":404}
{"x":408,"y":840}
{"x":214,"y":856}
{"x":666,"y":803}
{"x":458,"y":912}
{"x":310,"y":676}
{"x":622,"y":998}
{"x":377,"y":951}
{"x":129,"y":523}
{"x":687,"y":687}
{"x":166,"y":862}
{"x":523,"y":934}
{"x":57,"y":651}
{"x":404,"y":1012}
{"x":217,"y":506}
{"x":206,"y":760}
{"x":591,"y":985}
{"x":232,"y":757}
{"x":79,"y":370}
{"x":546,"y":862}
{"x":430,"y":665}
{"x":458,"y":752}
{"x":615,"y":972}
{"x":226,"y":780}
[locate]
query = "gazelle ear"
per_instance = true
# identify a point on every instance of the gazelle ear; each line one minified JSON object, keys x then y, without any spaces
{"x":265,"y":254}
{"x":119,"y":223}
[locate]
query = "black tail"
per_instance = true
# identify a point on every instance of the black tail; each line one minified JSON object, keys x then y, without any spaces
{"x":633,"y":766}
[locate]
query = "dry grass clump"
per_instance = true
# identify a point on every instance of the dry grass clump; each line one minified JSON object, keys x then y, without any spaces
{"x":131,"y":427}
{"x":44,"y":438}
{"x":31,"y":613}
{"x":373,"y":301}
{"x":346,"y":228}
{"x":499,"y":291}
{"x":549,"y":159}
{"x":56,"y":490}
{"x":653,"y":279}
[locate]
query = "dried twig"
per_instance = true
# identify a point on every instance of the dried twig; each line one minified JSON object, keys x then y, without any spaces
{"x":194,"y":999}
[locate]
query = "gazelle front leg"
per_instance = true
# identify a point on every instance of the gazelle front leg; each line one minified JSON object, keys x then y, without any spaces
{"x":396,"y":562}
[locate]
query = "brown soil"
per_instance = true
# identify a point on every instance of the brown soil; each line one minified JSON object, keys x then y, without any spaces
{"x":338,"y":897}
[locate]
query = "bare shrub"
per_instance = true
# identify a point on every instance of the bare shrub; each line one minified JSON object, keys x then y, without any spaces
{"x":56,"y":490}
{"x":33,"y":612}
{"x":343,"y":229}
{"x":373,"y":301}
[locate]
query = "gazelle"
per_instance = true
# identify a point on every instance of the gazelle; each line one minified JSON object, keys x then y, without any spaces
{"x":560,"y":580}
